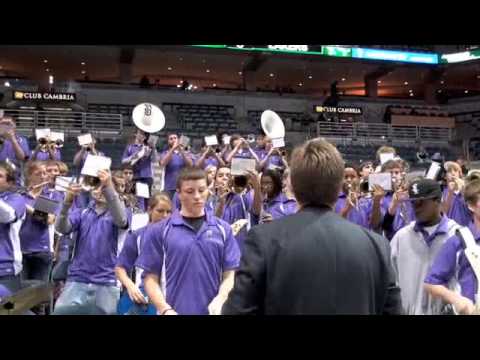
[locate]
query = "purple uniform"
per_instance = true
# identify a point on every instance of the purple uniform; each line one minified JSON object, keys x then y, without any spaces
{"x":10,"y":250}
{"x":274,"y":162}
{"x":280,"y":206}
{"x":209,"y":161}
{"x":99,"y":242}
{"x":190,"y":264}
{"x":7,"y":151}
{"x":243,"y":154}
{"x":173,"y":168}
{"x":45,"y":155}
{"x":452,"y":264}
{"x":240,"y":207}
{"x":360,"y":215}
{"x":143,"y":167}
{"x":36,"y":236}
{"x":458,"y":210}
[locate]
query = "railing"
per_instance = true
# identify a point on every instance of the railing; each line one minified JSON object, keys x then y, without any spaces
{"x":70,"y":122}
{"x":372,"y":131}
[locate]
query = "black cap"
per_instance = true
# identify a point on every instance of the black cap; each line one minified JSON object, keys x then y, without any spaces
{"x":423,"y":189}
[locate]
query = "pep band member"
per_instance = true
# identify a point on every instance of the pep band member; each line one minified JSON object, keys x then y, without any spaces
{"x":37,"y":232}
{"x":174,"y":160}
{"x":159,"y":208}
{"x":101,"y":229}
{"x":13,"y":147}
{"x":12,"y":213}
{"x":453,"y":201}
{"x":275,"y":203}
{"x":189,"y":259}
{"x":46,"y":150}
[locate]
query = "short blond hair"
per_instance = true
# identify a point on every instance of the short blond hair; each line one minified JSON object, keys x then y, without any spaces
{"x":452,"y":165}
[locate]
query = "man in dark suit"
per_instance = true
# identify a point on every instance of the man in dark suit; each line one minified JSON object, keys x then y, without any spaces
{"x":314,"y":262}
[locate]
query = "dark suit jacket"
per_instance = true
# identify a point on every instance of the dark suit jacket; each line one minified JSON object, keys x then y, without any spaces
{"x":314,"y":262}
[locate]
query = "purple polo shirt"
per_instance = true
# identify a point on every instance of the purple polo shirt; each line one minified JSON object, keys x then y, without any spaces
{"x":445,"y":266}
{"x":99,"y":241}
{"x":143,"y":167}
{"x":209,"y":161}
{"x":130,"y":250}
{"x":240,"y":207}
{"x":274,"y":162}
{"x":35,"y":236}
{"x":280,"y":206}
{"x":261,"y":153}
{"x":459,"y":210}
{"x":10,"y":250}
{"x":243,"y":154}
{"x":192,"y":263}
{"x":361,"y":216}
{"x":45,"y":155}
{"x":7,"y":151}
{"x":400,"y":219}
{"x":173,"y":168}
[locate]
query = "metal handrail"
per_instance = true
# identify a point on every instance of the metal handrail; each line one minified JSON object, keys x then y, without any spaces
{"x":69,"y":122}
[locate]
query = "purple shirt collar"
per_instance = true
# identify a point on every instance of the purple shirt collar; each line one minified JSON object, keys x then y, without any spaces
{"x":177,"y":218}
{"x":475,"y":232}
{"x":442,"y":228}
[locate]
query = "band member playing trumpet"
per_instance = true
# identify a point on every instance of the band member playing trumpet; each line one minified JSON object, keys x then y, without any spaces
{"x":391,"y":211}
{"x":275,"y":203}
{"x":37,"y":232}
{"x":238,"y":198}
{"x":46,"y":149}
{"x":241,"y":149}
{"x":13,"y":146}
{"x":453,"y":202}
{"x":274,"y":159}
{"x":350,"y":204}
{"x":174,"y":160}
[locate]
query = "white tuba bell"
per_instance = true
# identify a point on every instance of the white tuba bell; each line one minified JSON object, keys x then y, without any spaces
{"x":273,"y":127}
{"x":148,"y":118}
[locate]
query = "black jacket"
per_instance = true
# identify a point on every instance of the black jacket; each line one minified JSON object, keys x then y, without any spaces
{"x":314,"y":262}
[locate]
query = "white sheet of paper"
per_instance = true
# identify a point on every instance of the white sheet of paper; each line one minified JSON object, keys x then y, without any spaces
{"x":139,"y":221}
{"x":141,"y":190}
{"x":386,"y":157}
{"x":433,"y":171}
{"x":278,"y":143}
{"x":42,"y":133}
{"x":62,"y":183}
{"x":211,"y":140}
{"x":54,"y":136}
{"x":85,"y":139}
{"x":226,"y":140}
{"x":94,"y":163}
{"x":184,"y":140}
{"x":239,"y":166}
{"x":382,"y":179}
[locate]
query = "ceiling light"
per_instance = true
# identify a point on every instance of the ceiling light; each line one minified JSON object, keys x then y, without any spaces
{"x":411,"y":94}
{"x":300,"y":84}
{"x":379,"y":81}
{"x":410,"y":90}
{"x":195,"y":87}
{"x":179,"y":86}
{"x":83,"y":71}
{"x":343,"y":79}
{"x":7,"y":84}
{"x":83,"y":64}
{"x":405,"y":83}
{"x":169,"y":68}
{"x":310,"y":76}
{"x":466,"y":91}
{"x":214,"y":85}
{"x":208,"y":70}
{"x":181,"y":59}
{"x":439,"y":91}
{"x":45,"y":61}
{"x":47,"y":70}
{"x":50,"y":79}
{"x":271,"y":75}
{"x":240,"y":73}
{"x":442,"y":82}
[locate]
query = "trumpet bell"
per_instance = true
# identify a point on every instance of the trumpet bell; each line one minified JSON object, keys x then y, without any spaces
{"x":272,"y":125}
{"x":148,"y":118}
